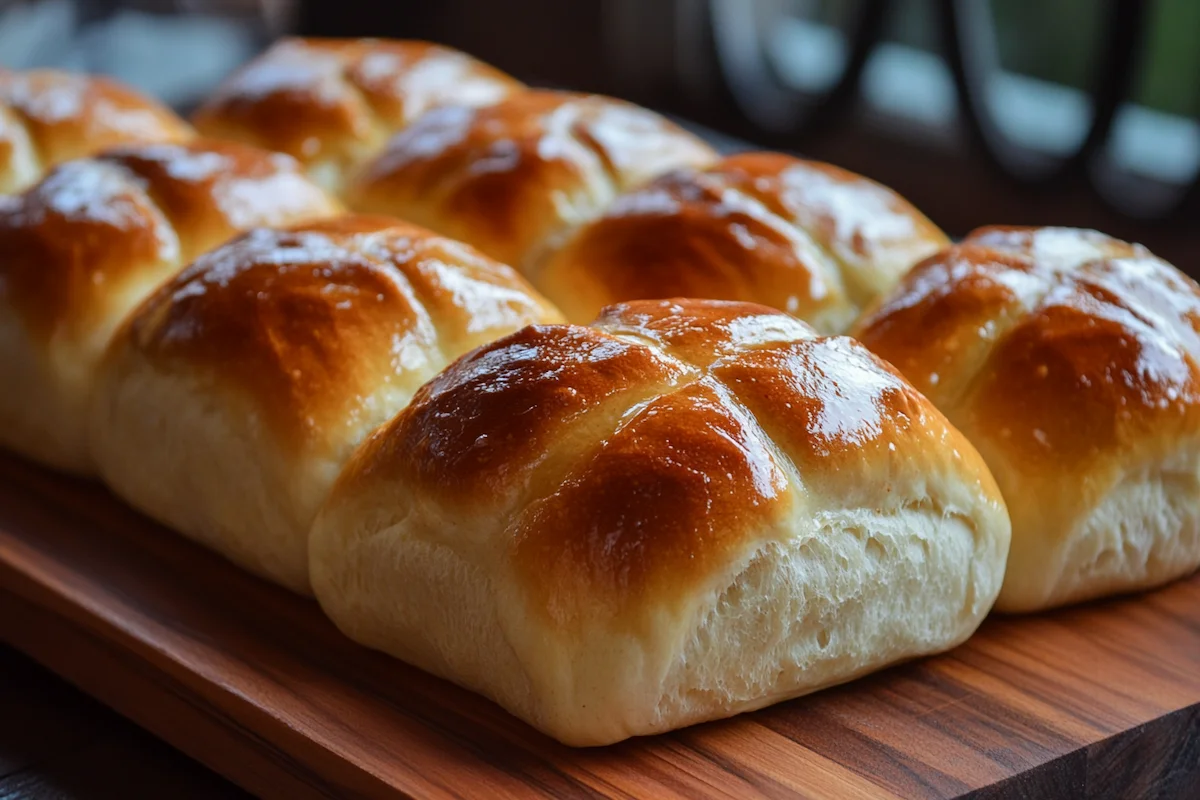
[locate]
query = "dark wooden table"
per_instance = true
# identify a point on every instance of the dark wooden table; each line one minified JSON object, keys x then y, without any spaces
{"x":1099,"y":701}
{"x":56,"y":742}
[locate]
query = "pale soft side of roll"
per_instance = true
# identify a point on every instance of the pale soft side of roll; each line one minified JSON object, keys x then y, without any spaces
{"x":807,"y":238}
{"x":48,"y":117}
{"x":1070,"y":360}
{"x":514,"y":178}
{"x":228,"y":403}
{"x":82,"y":248}
{"x":333,"y":103}
{"x":684,"y":511}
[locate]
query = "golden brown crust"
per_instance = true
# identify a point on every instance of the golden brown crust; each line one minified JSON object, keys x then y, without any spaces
{"x":48,"y":117}
{"x":1063,"y":348}
{"x":509,"y":177}
{"x":685,"y":235}
{"x":836,"y":409}
{"x":95,"y":224}
{"x":1081,"y":379}
{"x":942,"y":318}
{"x":1070,"y":360}
{"x":211,"y":190}
{"x":665,"y":500}
{"x":337,"y":100}
{"x":699,"y":333}
{"x":312,"y":320}
{"x":640,"y":453}
{"x":43,"y":233}
{"x":757,"y":227}
{"x":852,"y":217}
{"x":543,"y":379}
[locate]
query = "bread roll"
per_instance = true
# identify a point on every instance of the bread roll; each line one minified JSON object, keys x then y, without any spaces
{"x":807,"y":238}
{"x":1069,"y":359}
{"x":332,"y":103}
{"x":687,"y":510}
{"x":79,"y":250}
{"x":47,"y":117}
{"x":513,"y":178}
{"x":229,"y":401}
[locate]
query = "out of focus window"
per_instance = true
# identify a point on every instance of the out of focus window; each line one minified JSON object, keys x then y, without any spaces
{"x":173,"y":49}
{"x":1110,"y":87}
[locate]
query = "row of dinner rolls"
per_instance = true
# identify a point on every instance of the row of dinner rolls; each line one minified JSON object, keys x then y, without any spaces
{"x":685,"y":508}
{"x":512,"y":177}
{"x":593,"y":199}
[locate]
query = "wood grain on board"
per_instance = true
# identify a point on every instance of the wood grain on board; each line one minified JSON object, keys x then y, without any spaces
{"x":1097,"y":701}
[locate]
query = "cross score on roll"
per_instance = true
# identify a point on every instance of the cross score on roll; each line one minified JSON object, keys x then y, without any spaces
{"x":333,"y":103}
{"x":1070,"y":360}
{"x":686,"y":509}
{"x":597,"y":201}
{"x":83,"y":247}
{"x":514,"y":177}
{"x":810,"y":239}
{"x":515,"y":172}
{"x":273,"y":356}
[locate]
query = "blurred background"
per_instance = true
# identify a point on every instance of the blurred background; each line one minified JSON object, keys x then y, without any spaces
{"x":1078,"y":112}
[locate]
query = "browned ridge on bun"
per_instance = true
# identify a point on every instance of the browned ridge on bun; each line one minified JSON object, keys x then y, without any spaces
{"x":807,"y":238}
{"x":1069,"y":359}
{"x":79,"y":250}
{"x":514,"y":177}
{"x":333,"y":103}
{"x":683,"y":511}
{"x":230,"y":399}
{"x":49,"y":116}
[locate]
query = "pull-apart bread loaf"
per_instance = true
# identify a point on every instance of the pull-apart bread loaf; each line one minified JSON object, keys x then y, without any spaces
{"x":807,"y":238}
{"x":513,"y":178}
{"x":230,"y":399}
{"x":333,"y":103}
{"x":686,"y":510}
{"x":82,"y":248}
{"x":1069,"y":359}
{"x":47,"y":117}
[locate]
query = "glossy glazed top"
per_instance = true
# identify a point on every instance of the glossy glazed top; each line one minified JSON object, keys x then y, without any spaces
{"x":94,"y":225}
{"x":1070,"y":360}
{"x":311,"y":322}
{"x":803,"y":237}
{"x":339,"y":99}
{"x":509,"y":177}
{"x":48,"y":116}
{"x":647,"y":450}
{"x":1062,"y":344}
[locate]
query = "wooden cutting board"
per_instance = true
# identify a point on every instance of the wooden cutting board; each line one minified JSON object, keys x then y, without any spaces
{"x":1098,"y":701}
